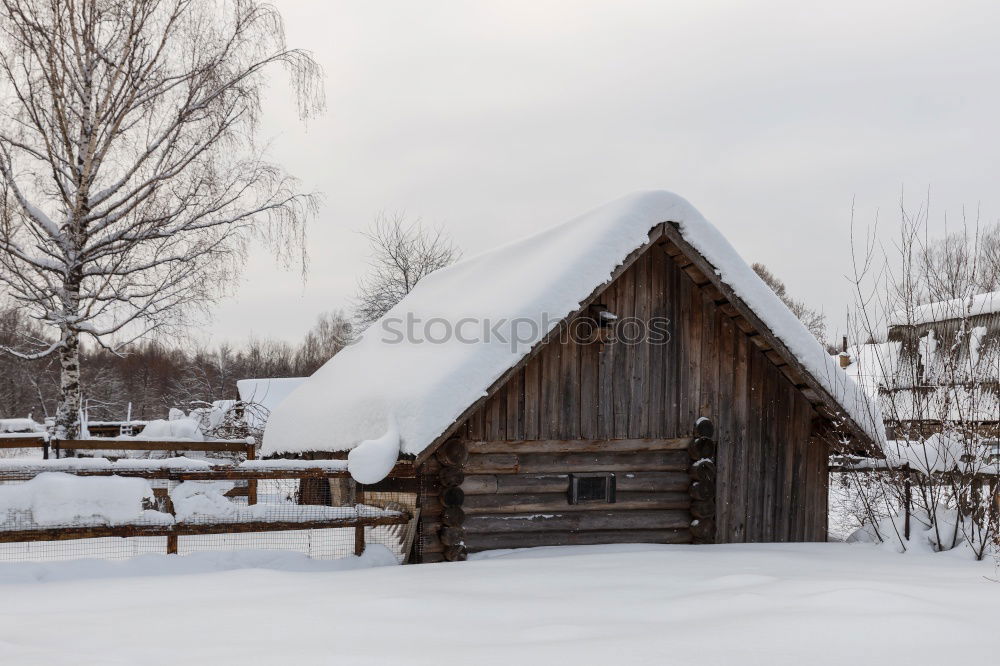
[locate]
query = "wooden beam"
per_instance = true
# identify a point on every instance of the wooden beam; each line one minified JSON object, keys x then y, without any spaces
{"x":540,"y":463}
{"x":100,"y":444}
{"x":398,"y":481}
{"x":577,"y":522}
{"x":557,"y":502}
{"x":578,"y":445}
{"x":478,"y":542}
{"x":21,"y":442}
{"x":626,"y":482}
{"x":190,"y":529}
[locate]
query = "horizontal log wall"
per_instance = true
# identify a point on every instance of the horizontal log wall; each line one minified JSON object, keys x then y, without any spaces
{"x":516,"y":493}
{"x":630,"y":409}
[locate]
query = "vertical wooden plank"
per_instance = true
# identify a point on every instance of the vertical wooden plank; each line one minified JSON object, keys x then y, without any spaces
{"x":639,"y":352}
{"x":489,"y":418}
{"x":532,"y":398}
{"x":799,"y":496}
{"x":766,"y":421}
{"x":786,"y":435}
{"x":515,"y":404}
{"x":693,"y":348}
{"x":545,"y":393}
{"x":808,"y":489}
{"x":772,"y":443}
{"x":675,"y":378}
{"x":805,"y":479}
{"x":657,"y":364}
{"x":550,"y":388}
{"x":625,"y":302}
{"x":724,"y":427}
{"x":709,"y":357}
{"x":606,"y":374}
{"x":665,"y":355}
{"x":755,"y":498}
{"x":569,"y":388}
{"x":501,"y":413}
{"x":739,"y":477}
{"x":589,"y":357}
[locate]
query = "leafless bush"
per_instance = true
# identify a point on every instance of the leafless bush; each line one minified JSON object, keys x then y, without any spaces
{"x":935,"y":367}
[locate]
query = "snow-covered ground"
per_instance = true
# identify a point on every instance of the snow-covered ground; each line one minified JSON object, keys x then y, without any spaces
{"x":738,"y":604}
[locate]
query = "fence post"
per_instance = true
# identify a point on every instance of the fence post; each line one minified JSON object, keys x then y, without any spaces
{"x":907,"y":500}
{"x":251,"y":483}
{"x":359,"y":540}
{"x":171,"y":544}
{"x":359,"y":530}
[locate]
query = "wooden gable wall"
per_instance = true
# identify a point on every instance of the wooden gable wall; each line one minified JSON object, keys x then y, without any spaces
{"x":630,"y":409}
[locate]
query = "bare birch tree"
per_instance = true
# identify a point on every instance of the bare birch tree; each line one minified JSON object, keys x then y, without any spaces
{"x":403,"y":253}
{"x":130,"y":181}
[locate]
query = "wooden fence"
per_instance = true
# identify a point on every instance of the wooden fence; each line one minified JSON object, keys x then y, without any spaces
{"x":53,"y":447}
{"x":251,"y":472}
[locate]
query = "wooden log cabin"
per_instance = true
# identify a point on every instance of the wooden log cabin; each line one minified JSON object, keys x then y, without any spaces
{"x":672,"y":398}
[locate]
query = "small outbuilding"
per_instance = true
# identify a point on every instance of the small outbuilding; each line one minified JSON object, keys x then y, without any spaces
{"x":623,"y":377}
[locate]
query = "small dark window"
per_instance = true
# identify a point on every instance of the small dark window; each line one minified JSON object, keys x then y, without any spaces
{"x":591,"y":488}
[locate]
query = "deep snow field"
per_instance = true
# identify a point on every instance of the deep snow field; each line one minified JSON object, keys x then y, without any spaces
{"x":734,"y":604}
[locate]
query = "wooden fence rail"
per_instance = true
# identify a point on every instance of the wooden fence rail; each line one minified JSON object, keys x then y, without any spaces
{"x":52,"y":446}
{"x":195,"y":529}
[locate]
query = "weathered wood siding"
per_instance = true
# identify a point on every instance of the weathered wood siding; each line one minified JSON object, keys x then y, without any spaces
{"x":626,"y":408}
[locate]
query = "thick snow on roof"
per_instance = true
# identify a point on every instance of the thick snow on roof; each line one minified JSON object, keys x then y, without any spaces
{"x":988,"y":303}
{"x":20,"y":425}
{"x":414,"y":386}
{"x":269,"y":392}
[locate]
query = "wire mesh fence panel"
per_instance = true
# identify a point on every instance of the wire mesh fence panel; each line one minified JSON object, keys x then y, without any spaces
{"x":105,"y":548}
{"x":321,"y":544}
{"x":122,"y":510}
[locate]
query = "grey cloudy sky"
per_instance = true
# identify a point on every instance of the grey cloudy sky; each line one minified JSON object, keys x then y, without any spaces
{"x":495,"y":119}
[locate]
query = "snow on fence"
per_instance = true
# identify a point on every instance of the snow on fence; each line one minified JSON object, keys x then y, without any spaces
{"x":63,"y":508}
{"x":52,"y":447}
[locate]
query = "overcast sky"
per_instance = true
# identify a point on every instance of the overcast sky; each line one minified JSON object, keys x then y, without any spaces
{"x":496,"y":119}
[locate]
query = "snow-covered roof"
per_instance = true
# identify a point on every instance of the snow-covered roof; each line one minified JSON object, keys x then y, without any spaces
{"x":874,"y":366}
{"x":269,"y":392}
{"x":980,"y":304}
{"x":20,"y":425}
{"x":398,"y":393}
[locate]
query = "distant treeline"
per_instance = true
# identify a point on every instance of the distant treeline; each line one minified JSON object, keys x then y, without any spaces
{"x":155,"y":376}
